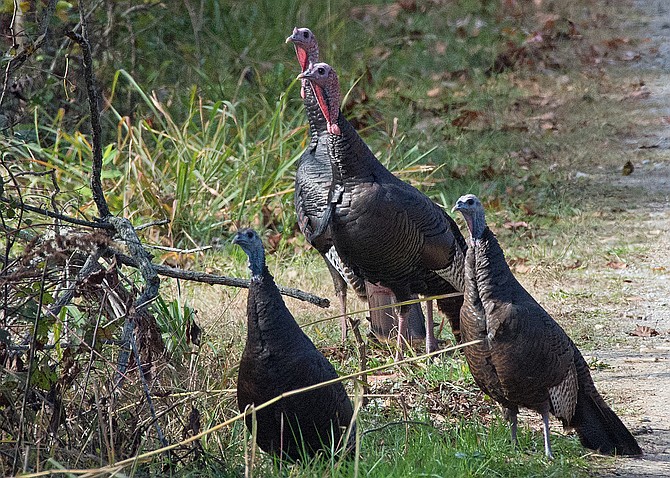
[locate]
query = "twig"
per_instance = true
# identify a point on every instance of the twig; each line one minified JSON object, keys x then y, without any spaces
{"x":38,"y":315}
{"x":160,"y":222}
{"x":147,"y":393}
{"x":28,"y":50}
{"x":180,"y":251}
{"x":96,"y":128}
{"x":55,"y":215}
{"x":211,"y":279}
{"x":141,"y":259}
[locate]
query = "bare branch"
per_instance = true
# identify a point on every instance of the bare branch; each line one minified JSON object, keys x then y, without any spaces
{"x":96,"y":128}
{"x":160,"y":222}
{"x":90,"y":266}
{"x":212,"y":279}
{"x":55,"y":215}
{"x":141,"y":260}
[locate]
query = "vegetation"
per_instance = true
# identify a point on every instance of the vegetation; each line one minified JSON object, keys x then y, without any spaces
{"x":202,"y":126}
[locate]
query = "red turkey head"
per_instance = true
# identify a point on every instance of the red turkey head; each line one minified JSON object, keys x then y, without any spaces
{"x":326,"y":87}
{"x":306,"y":47}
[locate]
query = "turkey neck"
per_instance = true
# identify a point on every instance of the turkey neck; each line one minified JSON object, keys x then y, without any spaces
{"x":317,"y":123}
{"x":350,"y":156}
{"x":486,"y":251}
{"x":473,"y":324}
{"x":269,"y":322}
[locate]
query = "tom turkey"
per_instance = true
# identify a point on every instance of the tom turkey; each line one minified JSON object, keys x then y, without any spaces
{"x":312,"y":182}
{"x":388,"y":231}
{"x":279,"y":357}
{"x":526,"y":359}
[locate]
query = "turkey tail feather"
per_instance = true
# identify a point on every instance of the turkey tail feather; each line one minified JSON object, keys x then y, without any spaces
{"x":599,"y":428}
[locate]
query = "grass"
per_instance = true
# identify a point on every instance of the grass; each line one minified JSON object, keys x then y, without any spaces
{"x":206,"y":134}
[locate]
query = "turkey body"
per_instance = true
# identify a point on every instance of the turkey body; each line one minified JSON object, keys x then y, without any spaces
{"x":389,"y":232}
{"x":525,"y":358}
{"x":278,"y":357}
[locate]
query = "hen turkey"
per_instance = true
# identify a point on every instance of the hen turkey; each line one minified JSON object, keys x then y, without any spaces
{"x":279,"y":357}
{"x":525,"y":358}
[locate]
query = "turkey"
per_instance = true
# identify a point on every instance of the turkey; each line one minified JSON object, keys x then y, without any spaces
{"x":390,"y":233}
{"x":312,"y":183}
{"x":525,"y":358}
{"x":279,"y":357}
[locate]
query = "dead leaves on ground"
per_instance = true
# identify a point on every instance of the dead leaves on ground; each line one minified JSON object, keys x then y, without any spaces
{"x":540,"y":49}
{"x":644,"y":331}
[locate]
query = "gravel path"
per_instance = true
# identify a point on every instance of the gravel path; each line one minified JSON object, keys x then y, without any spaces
{"x":640,"y":372}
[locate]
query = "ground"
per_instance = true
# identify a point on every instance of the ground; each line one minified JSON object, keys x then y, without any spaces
{"x":637,"y":374}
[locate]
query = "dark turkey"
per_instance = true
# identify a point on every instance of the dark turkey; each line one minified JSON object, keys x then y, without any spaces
{"x":279,"y":357}
{"x":526,"y":359}
{"x":312,"y":182}
{"x":389,"y":232}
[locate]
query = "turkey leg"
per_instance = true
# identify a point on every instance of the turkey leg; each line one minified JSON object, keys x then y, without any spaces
{"x":545,"y":430}
{"x":431,"y":341}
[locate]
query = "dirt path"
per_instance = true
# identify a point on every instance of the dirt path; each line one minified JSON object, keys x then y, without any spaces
{"x":640,"y":367}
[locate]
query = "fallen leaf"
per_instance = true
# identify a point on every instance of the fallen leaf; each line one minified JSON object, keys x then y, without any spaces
{"x":627,"y":169}
{"x":630,"y":56}
{"x":408,"y":5}
{"x":465,"y":118}
{"x":644,"y":331}
{"x":549,"y":116}
{"x":488,"y":172}
{"x":519,"y":265}
{"x":432,"y":93}
{"x":638,"y":94}
{"x":514,"y":225}
{"x":658,"y":269}
{"x":382,"y":93}
{"x":615,"y":43}
{"x":616,"y":265}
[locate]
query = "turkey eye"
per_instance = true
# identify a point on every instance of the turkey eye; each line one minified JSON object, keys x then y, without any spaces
{"x":321,"y":70}
{"x":470,"y":202}
{"x":249,"y":234}
{"x":305,"y":34}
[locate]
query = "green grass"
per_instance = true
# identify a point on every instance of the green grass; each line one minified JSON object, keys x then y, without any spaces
{"x":467,"y":449}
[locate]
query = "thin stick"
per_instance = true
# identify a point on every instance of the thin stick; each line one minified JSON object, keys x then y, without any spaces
{"x":56,"y":215}
{"x":38,"y":315}
{"x":205,"y":278}
{"x":362,"y":357}
{"x":96,"y":128}
{"x":147,"y":393}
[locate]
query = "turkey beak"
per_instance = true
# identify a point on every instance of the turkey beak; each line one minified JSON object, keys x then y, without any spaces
{"x":457,"y":206}
{"x":289,"y":39}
